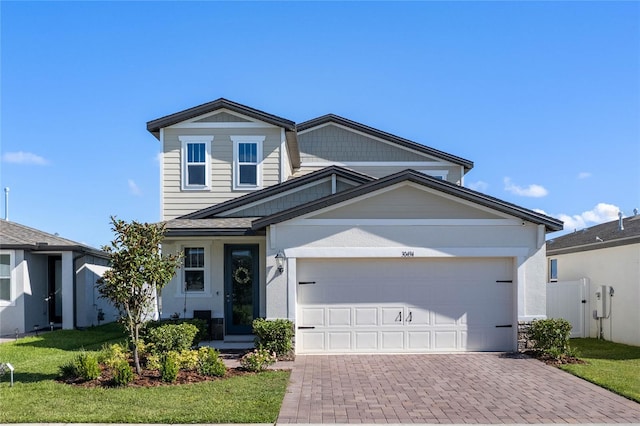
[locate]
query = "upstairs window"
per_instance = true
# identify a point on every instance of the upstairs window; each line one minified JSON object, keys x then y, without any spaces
{"x":196,"y":153}
{"x":5,"y":277}
{"x":553,"y":270}
{"x":247,"y":162}
{"x":194,"y":269}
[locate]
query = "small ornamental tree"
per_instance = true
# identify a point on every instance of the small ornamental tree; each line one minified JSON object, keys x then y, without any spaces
{"x":138,"y":270}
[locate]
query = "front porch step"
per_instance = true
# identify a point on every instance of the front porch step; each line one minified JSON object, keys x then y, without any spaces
{"x":239,"y":338}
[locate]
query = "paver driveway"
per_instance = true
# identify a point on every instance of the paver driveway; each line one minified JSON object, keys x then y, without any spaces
{"x":439,"y":388}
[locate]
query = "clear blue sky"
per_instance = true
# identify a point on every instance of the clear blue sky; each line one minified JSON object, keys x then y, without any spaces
{"x":544,"y":97}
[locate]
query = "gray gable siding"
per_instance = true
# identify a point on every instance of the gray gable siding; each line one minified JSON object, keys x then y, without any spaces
{"x":287,"y":201}
{"x":223,"y":117}
{"x":335,"y":144}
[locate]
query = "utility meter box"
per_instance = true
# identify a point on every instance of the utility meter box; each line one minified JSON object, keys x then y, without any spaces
{"x":601,"y":301}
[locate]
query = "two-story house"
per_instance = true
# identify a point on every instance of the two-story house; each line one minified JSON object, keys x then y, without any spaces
{"x":367,"y":241}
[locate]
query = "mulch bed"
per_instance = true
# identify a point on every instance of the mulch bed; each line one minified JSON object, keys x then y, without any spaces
{"x":553,"y":361}
{"x":151,"y":378}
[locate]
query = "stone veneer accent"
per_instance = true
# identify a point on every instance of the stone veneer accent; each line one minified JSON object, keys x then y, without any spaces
{"x":524,"y":343}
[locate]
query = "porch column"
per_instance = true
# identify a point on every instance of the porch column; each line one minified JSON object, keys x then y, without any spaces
{"x":68,"y":298}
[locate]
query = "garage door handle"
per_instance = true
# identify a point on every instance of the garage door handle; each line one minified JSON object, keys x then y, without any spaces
{"x":399,"y":317}
{"x":504,"y":326}
{"x":410,"y":317}
{"x":306,"y":282}
{"x":306,"y":327}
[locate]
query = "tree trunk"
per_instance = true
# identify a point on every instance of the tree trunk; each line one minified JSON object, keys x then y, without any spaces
{"x":136,"y":357}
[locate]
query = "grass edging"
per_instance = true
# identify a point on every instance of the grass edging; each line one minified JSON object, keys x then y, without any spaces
{"x":38,"y":397}
{"x":612,"y":366}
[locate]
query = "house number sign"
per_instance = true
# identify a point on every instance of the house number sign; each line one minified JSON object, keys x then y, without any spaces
{"x":408,"y":254}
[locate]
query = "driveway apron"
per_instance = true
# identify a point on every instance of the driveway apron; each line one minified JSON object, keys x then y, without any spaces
{"x":444,"y":388}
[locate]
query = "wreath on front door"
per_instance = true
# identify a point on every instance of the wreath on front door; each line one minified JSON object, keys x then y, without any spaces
{"x":242,"y":275}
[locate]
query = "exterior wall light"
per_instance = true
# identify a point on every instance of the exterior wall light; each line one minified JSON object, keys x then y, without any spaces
{"x":280,"y":258}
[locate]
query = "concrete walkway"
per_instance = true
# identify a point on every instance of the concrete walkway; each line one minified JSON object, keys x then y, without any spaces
{"x":485,"y":388}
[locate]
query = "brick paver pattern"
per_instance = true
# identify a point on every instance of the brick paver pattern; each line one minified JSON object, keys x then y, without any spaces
{"x":443,"y":388}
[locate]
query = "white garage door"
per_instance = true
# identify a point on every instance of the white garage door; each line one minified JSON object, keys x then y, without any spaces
{"x":405,"y":305}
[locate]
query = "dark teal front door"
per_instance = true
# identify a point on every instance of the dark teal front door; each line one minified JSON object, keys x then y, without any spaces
{"x":241,"y":284}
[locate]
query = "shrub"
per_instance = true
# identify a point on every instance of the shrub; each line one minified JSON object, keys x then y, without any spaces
{"x":274,"y":335}
{"x":122,"y":373}
{"x":169,"y":367}
{"x":199,"y":323}
{"x":153,"y":362}
{"x":258,"y":360}
{"x":551,"y":337}
{"x":111,"y":355}
{"x":187,"y":359}
{"x":171,"y":337}
{"x":83,"y":366}
{"x":210,"y":363}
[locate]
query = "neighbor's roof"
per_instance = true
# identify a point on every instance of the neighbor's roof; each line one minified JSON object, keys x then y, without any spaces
{"x":551,"y":224}
{"x":332,"y":118}
{"x":16,"y":236}
{"x":597,"y":237}
{"x":154,"y":126}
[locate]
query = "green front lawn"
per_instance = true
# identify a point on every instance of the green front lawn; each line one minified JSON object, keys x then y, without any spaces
{"x":37,"y":397}
{"x":611,"y":365}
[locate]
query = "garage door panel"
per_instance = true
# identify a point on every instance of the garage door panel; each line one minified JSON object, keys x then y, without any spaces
{"x":392,"y":305}
{"x":392,"y":315}
{"x":310,"y":341}
{"x":366,"y":341}
{"x":392,"y":340}
{"x":445,"y":340}
{"x":338,"y":317}
{"x":366,"y":317}
{"x":310,"y":316}
{"x":419,"y":340}
{"x":339,"y":341}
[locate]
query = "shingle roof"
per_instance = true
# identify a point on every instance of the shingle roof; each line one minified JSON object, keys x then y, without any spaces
{"x":597,"y":237}
{"x":208,"y":227}
{"x":278,"y":189}
{"x":332,"y":118}
{"x":154,"y":126}
{"x":479,"y":198}
{"x":16,"y":236}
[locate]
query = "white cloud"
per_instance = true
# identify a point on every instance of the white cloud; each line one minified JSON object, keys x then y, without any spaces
{"x":480,"y":186}
{"x":21,"y":157}
{"x":601,"y":213}
{"x":584,"y":175}
{"x":532,"y":190}
{"x":133,"y":188}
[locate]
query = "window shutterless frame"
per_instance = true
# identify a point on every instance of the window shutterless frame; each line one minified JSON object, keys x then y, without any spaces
{"x":194,"y":269}
{"x":6,"y":279}
{"x":553,"y":270}
{"x":195,"y":163}
{"x":247,"y":162}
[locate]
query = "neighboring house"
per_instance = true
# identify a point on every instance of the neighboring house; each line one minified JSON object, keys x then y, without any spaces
{"x":47,"y":280}
{"x":367,"y":241}
{"x":604,"y":255}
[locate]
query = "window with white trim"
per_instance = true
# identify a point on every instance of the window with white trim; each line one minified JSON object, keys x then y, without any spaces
{"x":438,"y":174}
{"x":247,"y":162}
{"x":553,"y":270}
{"x":194,"y":269}
{"x":5,"y":277}
{"x":196,"y":155}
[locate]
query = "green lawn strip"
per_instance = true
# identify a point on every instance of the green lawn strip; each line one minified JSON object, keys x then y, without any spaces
{"x":611,"y":365}
{"x":37,"y":397}
{"x":241,"y":399}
